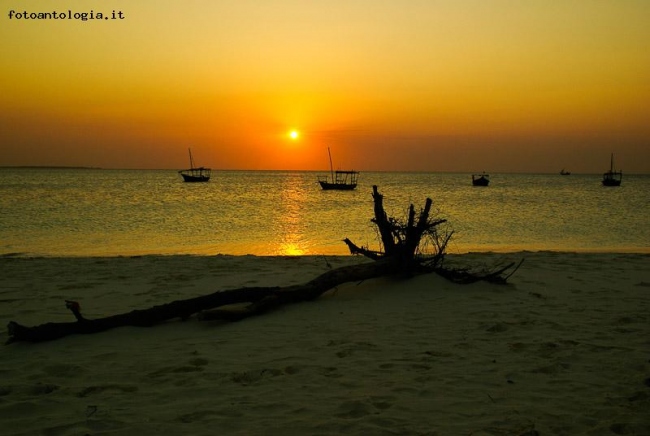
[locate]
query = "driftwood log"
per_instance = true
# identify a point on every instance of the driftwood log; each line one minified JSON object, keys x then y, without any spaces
{"x":401,"y":255}
{"x":261,"y":300}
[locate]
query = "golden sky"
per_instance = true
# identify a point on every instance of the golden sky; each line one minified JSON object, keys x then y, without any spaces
{"x":423,"y":85}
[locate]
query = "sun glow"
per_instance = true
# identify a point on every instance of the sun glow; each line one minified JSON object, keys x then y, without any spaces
{"x":294,"y":134}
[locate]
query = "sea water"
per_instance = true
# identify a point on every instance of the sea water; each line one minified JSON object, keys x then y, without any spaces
{"x":96,"y":212}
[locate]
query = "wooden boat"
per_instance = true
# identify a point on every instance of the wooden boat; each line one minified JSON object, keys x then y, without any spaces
{"x":611,"y":177}
{"x":482,"y":179}
{"x":195,"y":174}
{"x":563,"y":172}
{"x":339,"y":180}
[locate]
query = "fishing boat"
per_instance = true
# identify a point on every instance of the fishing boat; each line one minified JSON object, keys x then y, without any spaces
{"x":338,"y":180}
{"x":611,"y":177}
{"x":195,"y":174}
{"x":564,"y":172}
{"x":482,"y":179}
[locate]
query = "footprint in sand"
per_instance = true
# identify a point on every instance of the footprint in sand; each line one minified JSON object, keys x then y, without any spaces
{"x":195,"y":416}
{"x":63,"y":370}
{"x":497,"y":328}
{"x":43,"y":389}
{"x":249,"y":377}
{"x":332,"y":372}
{"x":91,"y":390}
{"x":354,"y":409}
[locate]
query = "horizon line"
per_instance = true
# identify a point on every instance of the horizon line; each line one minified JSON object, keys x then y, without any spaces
{"x":81,"y":167}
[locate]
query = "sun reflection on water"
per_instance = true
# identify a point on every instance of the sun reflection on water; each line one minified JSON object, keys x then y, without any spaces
{"x":290,"y":249}
{"x":291,"y":228}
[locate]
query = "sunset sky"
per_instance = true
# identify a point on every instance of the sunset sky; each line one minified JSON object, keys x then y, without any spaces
{"x":413,"y":85}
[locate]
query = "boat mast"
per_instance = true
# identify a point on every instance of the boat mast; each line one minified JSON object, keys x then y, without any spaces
{"x":331,"y":167}
{"x":611,"y":163}
{"x":191,"y":160}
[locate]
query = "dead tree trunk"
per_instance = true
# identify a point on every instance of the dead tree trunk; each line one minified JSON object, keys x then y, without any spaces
{"x":401,"y":244}
{"x":402,"y":241}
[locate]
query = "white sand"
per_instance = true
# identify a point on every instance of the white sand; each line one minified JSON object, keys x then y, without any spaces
{"x":563,"y":350}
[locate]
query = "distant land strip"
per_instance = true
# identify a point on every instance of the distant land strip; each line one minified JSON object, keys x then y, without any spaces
{"x":47,"y":167}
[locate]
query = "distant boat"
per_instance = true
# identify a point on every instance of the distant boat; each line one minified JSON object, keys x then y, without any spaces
{"x":482,"y":179}
{"x":565,"y":173}
{"x":338,"y":180}
{"x":195,"y":174}
{"x":611,"y":177}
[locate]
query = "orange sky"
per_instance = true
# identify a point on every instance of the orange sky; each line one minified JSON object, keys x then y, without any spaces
{"x":421,"y":85}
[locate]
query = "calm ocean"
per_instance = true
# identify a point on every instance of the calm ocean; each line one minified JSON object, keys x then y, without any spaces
{"x":78,"y":212}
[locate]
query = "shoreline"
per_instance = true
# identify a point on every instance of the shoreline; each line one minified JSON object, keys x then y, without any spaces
{"x":562,"y":349}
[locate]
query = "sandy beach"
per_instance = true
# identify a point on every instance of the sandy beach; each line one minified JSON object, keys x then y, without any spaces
{"x":564,"y":349}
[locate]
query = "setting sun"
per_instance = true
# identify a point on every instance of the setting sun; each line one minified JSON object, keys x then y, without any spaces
{"x":294,"y":134}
